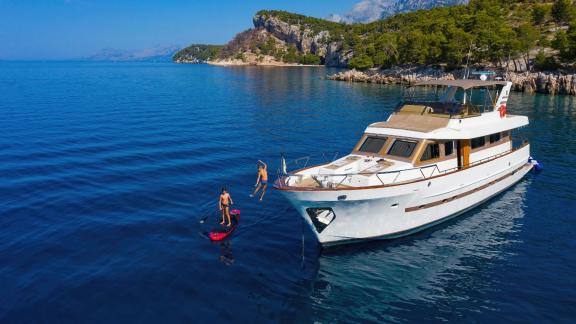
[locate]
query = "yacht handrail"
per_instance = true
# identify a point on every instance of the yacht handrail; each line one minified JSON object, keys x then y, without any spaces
{"x":398,"y":172}
{"x":377,"y":174}
{"x":306,"y":158}
{"x":367,"y":173}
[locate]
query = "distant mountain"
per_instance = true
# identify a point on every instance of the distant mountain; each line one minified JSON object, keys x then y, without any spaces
{"x":153,"y":54}
{"x":367,"y":11}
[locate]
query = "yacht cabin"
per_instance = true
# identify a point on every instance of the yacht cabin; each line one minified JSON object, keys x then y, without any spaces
{"x":466,"y":126}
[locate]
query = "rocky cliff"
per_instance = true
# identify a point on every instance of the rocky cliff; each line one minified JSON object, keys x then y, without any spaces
{"x":275,"y":40}
{"x":548,"y":83}
{"x":305,"y":39}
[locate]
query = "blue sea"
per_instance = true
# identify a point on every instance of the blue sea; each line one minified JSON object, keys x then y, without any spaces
{"x":107,"y":169}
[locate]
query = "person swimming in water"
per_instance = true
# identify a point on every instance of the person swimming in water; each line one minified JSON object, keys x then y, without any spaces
{"x":224,"y":204}
{"x":262,"y":180}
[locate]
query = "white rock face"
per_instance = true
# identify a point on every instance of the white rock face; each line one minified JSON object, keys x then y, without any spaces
{"x":305,"y":40}
{"x":548,"y":83}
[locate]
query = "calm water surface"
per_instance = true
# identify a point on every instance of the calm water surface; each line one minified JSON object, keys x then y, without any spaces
{"x":106,"y":169}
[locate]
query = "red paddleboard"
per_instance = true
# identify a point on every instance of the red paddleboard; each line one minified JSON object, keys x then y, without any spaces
{"x":219,"y":235}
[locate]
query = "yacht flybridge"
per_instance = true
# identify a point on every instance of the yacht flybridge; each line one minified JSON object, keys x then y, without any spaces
{"x":429,"y":162}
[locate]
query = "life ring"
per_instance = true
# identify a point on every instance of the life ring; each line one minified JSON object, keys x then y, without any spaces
{"x":502,"y":110}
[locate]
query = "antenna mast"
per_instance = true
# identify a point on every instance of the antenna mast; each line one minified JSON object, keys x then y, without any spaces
{"x":507,"y":66}
{"x":466,"y":71}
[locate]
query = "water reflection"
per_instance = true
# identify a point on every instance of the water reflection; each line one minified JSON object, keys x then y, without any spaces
{"x":226,"y":255}
{"x":374,"y":281}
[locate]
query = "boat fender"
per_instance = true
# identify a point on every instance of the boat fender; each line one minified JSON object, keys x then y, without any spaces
{"x":537,"y":166}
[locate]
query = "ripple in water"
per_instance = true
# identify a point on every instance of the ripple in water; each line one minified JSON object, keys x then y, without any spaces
{"x":106,"y":170}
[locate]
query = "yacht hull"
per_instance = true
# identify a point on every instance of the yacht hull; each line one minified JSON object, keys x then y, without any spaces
{"x":394,"y":211}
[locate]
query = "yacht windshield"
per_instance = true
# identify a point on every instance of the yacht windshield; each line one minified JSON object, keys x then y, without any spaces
{"x":373,"y":144}
{"x":402,"y":148}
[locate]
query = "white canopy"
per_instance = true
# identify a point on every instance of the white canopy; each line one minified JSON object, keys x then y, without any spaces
{"x":466,"y":128}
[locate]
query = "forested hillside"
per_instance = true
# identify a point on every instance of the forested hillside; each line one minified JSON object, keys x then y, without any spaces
{"x":541,"y":34}
{"x":197,"y":53}
{"x":492,"y":31}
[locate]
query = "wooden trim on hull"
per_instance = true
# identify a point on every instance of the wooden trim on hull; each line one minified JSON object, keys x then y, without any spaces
{"x":277,"y":185}
{"x":462,"y":195}
{"x":391,"y":236}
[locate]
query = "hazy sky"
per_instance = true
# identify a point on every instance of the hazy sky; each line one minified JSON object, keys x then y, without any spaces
{"x":59,"y":29}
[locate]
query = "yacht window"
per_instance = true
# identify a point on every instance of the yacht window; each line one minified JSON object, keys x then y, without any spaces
{"x":478,"y":142}
{"x":448,"y":148}
{"x":402,"y":148}
{"x":432,"y":151}
{"x":495,"y":138}
{"x":373,"y":144}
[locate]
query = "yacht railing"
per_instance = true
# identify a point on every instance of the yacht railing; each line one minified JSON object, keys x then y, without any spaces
{"x":301,"y":163}
{"x":334,"y":181}
{"x":340,"y":178}
{"x":322,"y":158}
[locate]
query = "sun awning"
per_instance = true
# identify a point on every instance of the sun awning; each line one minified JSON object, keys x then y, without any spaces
{"x":469,"y":128}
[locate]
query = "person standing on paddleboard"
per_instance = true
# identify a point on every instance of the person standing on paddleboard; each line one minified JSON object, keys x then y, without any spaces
{"x":224,"y":204}
{"x":262,"y":180}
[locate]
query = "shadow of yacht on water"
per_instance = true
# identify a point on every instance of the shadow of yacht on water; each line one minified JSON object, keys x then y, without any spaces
{"x":379,"y":277}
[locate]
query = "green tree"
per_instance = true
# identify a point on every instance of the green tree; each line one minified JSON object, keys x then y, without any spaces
{"x":571,"y":55}
{"x":386,"y":48}
{"x":240,"y":56}
{"x":291,"y":55}
{"x":565,"y":43}
{"x":456,"y":47}
{"x":382,"y":60}
{"x":361,"y":62}
{"x":562,"y":44}
{"x":413,"y":47}
{"x":540,"y":13}
{"x":527,"y":36}
{"x":562,"y":11}
{"x":309,"y":59}
{"x":544,"y":63}
{"x":544,"y":41}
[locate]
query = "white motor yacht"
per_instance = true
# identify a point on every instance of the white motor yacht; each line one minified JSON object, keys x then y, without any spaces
{"x":429,"y":162}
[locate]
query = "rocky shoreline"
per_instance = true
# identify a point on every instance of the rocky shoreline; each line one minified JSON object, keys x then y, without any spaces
{"x":530,"y":82}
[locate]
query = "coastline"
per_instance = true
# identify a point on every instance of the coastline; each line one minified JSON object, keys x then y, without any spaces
{"x":268,"y":64}
{"x":551,"y":83}
{"x":531,"y":82}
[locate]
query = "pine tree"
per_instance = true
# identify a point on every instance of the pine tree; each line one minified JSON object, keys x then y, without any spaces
{"x":562,"y":11}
